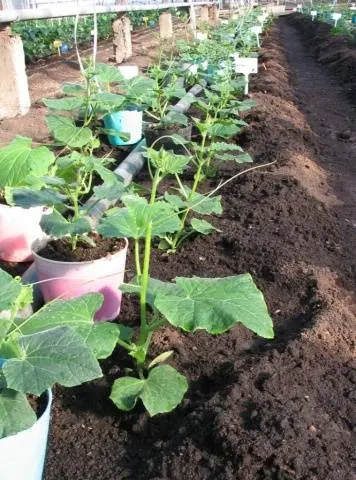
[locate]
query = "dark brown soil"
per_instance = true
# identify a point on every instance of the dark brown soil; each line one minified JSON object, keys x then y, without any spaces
{"x":154,"y":136}
{"x":331,"y":51}
{"x":255,"y":409}
{"x":39,"y":404}
{"x":61,"y":249}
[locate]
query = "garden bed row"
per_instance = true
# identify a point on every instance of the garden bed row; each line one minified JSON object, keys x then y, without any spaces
{"x":254,"y":409}
{"x":332,"y":51}
{"x":45,"y":189}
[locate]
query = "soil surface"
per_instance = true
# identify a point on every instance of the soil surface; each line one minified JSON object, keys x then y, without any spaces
{"x":255,"y":409}
{"x":61,"y":249}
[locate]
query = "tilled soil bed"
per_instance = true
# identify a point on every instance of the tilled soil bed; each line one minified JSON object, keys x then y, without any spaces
{"x":255,"y":409}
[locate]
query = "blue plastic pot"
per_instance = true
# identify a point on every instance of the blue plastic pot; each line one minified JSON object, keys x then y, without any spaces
{"x":127,"y":121}
{"x":64,"y":48}
{"x":353,"y":20}
{"x":22,"y":455}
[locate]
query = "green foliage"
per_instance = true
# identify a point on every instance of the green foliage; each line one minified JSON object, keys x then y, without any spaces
{"x":160,"y":392}
{"x":155,"y":216}
{"x":38,"y":35}
{"x":57,"y":344}
{"x":19,"y":161}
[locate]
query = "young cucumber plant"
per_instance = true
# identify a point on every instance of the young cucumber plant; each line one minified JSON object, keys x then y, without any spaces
{"x":166,"y":88}
{"x":58,"y":344}
{"x":214,"y":305}
{"x":103,"y":90}
{"x":220,"y":122}
{"x":71,"y":180}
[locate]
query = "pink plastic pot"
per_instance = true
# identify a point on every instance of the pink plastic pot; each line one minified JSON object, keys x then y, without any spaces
{"x":73,"y":279}
{"x":20,"y":232}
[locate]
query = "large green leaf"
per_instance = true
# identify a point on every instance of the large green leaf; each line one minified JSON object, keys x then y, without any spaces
{"x":225,"y":147}
{"x":108,"y":73}
{"x":176,"y":201}
{"x":107,"y":176}
{"x":73,"y":89}
{"x":202,"y":226}
{"x":77,"y":313}
{"x":203,"y":204}
{"x":223,"y":130}
{"x":111,"y":191}
{"x":102,"y":339}
{"x":215,"y":305}
{"x":65,"y":104}
{"x":16,"y":413}
{"x":175,"y":118}
{"x":58,"y":226}
{"x":26,"y":197}
{"x":133,"y":220}
{"x":160,"y":392}
{"x":138,"y":88}
{"x":154,"y":286}
{"x":58,"y":355}
{"x":174,"y":91}
{"x":167,"y":161}
{"x":18,"y":160}
{"x":246,"y":105}
{"x":109,"y":101}
{"x":65,"y":132}
{"x":126,"y":391}
{"x":10,"y":290}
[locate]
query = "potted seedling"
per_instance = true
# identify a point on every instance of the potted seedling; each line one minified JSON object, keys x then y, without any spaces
{"x":121,"y":104}
{"x":59,"y":344}
{"x":211,"y":304}
{"x":108,"y":95}
{"x":76,"y":260}
{"x":20,"y":165}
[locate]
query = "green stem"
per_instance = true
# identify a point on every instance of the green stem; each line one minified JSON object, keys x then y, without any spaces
{"x":124,"y":344}
{"x":137,"y":257}
{"x":144,"y":285}
{"x":144,"y":330}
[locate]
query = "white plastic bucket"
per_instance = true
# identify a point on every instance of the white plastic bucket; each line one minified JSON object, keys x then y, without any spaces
{"x":128,"y":71}
{"x":74,"y":279}
{"x":127,"y":121}
{"x":20,"y":232}
{"x":22,"y":455}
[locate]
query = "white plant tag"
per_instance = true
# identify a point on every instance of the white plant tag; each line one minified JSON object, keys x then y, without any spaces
{"x":313,"y":14}
{"x":336,"y":17}
{"x":256,"y":29}
{"x":246,"y":66}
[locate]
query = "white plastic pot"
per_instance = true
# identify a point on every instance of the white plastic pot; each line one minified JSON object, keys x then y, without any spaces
{"x":22,"y":455}
{"x":127,"y":121}
{"x":128,"y":71}
{"x":204,"y":65}
{"x":20,"y":232}
{"x":201,"y":36}
{"x":74,"y":279}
